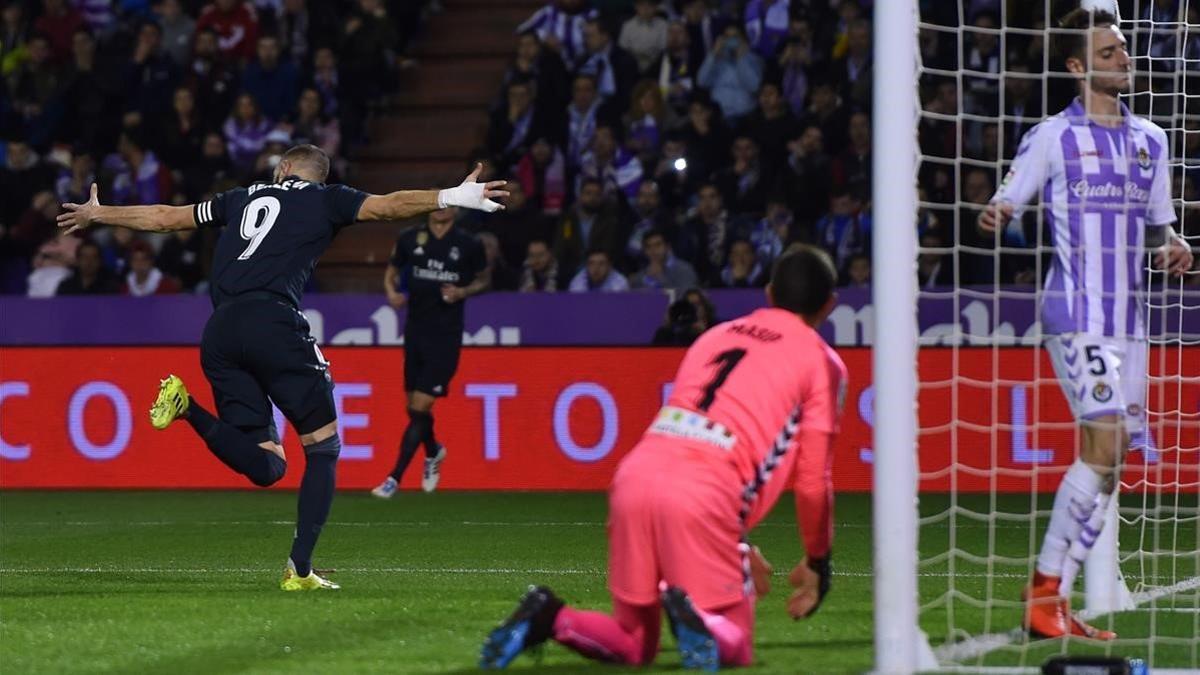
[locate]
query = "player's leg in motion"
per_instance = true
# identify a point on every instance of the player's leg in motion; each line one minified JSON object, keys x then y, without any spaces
{"x":296,"y":376}
{"x":418,"y":432}
{"x":437,"y":365}
{"x":435,"y":454}
{"x":429,"y":365}
{"x":1082,"y":498}
{"x":261,"y":462}
{"x":321,"y":450}
{"x":242,"y":437}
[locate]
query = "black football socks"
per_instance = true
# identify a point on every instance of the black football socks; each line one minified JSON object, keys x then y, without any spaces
{"x":315,"y":498}
{"x":420,"y":427}
{"x":235,"y":449}
{"x":431,"y":444}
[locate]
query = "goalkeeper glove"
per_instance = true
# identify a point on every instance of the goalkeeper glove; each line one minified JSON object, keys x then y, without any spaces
{"x":811,"y":580}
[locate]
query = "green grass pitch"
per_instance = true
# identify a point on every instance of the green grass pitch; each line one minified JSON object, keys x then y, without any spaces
{"x":177,"y":582}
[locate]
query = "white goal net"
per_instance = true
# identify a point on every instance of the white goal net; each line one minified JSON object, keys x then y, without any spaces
{"x":995,"y":432}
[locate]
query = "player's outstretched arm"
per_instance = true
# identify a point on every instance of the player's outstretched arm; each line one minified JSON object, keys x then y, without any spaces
{"x":154,"y":218}
{"x":409,"y":203}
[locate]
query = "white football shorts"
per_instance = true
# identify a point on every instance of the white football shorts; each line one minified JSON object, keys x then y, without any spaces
{"x":1101,"y":376}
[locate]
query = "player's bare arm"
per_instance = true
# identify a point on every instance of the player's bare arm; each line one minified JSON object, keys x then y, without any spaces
{"x":153,"y":218}
{"x":410,"y":203}
{"x":390,"y":278}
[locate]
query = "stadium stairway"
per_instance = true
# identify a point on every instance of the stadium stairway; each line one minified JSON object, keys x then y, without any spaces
{"x":438,"y":117}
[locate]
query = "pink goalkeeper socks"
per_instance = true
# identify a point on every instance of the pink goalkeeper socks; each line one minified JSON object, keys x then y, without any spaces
{"x":633,"y":640}
{"x":733,"y":642}
{"x":596,"y":635}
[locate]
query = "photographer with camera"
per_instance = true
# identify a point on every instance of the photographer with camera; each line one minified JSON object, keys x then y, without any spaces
{"x":732,"y":73}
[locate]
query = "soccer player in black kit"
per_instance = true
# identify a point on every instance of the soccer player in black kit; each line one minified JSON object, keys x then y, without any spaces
{"x":444,"y":265}
{"x":256,"y":347}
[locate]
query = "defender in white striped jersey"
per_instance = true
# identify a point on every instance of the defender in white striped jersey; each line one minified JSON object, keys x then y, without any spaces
{"x":1103,"y":179}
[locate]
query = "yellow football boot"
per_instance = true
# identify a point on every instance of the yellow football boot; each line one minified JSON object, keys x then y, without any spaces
{"x":171,"y":404}
{"x":313,"y":582}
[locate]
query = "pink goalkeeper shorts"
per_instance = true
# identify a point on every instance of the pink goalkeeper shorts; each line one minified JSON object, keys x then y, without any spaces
{"x":673,"y":516}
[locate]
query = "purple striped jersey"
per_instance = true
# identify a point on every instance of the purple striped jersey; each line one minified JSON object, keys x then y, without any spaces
{"x":1101,"y":187}
{"x":567,"y":27}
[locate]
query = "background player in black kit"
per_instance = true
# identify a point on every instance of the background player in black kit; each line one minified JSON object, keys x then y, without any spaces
{"x":443,"y":266}
{"x":256,"y":347}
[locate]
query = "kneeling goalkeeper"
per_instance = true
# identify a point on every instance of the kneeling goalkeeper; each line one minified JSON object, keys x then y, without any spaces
{"x":756,"y":402}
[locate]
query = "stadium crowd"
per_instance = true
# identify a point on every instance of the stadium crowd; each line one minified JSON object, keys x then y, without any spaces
{"x":650,"y":144}
{"x":687,"y":143}
{"x":167,"y":101}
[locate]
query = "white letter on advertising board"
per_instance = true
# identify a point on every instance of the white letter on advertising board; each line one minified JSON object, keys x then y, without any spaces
{"x":345,"y":420}
{"x":13,"y":452}
{"x":491,"y":395}
{"x":562,"y":422}
{"x":123,"y":423}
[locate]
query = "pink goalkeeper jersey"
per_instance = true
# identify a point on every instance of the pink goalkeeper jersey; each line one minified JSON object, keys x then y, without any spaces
{"x":744,"y":389}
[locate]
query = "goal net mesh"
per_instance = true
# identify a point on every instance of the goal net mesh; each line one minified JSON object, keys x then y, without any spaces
{"x":996,"y":433}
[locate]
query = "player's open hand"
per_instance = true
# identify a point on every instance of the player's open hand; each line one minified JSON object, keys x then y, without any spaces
{"x":810,"y":579}
{"x":1175,"y":256}
{"x":474,"y":195}
{"x":994,"y":217}
{"x":77,"y":217}
{"x":760,"y":572}
{"x":396,"y":299}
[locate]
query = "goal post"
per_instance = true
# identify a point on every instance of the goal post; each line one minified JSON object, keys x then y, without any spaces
{"x":972,"y":433}
{"x":893,"y":360}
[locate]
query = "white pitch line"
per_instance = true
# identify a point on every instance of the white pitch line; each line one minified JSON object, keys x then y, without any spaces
{"x":257,"y":570}
{"x":410,"y":523}
{"x":1035,"y":670}
{"x":409,"y":570}
{"x":978,"y":646}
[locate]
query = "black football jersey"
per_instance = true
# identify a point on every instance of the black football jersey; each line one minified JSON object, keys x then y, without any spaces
{"x":426,"y":263}
{"x":274,"y":234}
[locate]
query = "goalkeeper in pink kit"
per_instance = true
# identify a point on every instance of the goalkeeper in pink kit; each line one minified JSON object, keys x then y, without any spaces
{"x":754,"y":409}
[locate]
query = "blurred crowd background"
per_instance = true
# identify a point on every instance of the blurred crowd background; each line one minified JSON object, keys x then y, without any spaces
{"x":650,"y":145}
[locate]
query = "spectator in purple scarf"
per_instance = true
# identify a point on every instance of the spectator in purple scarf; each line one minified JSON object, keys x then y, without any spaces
{"x":245,"y":133}
{"x":796,"y":58}
{"x":139,"y":178}
{"x":766,"y":24}
{"x":647,"y":120}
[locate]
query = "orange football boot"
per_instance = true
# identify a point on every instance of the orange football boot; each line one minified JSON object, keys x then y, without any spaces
{"x":1048,"y":614}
